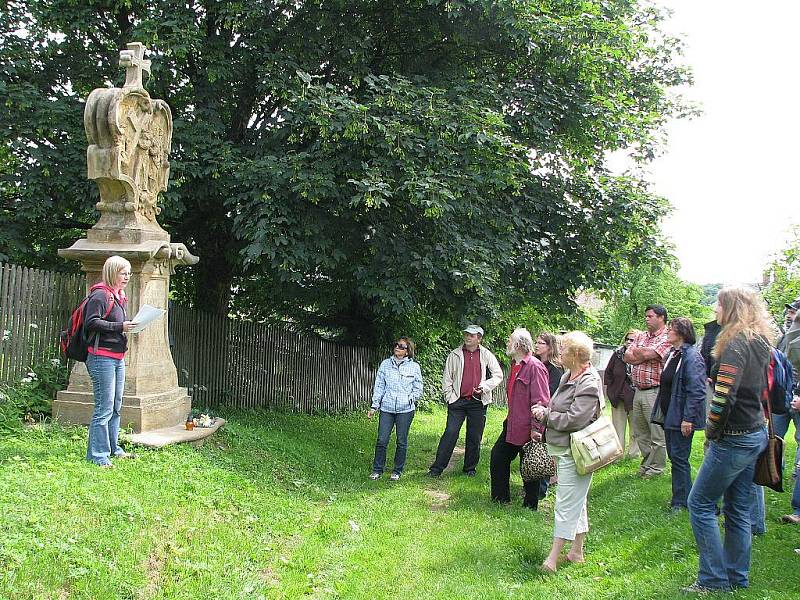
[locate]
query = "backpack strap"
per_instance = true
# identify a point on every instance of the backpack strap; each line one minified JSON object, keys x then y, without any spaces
{"x":110,"y":302}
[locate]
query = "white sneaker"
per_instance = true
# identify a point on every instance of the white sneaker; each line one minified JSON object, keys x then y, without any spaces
{"x":394,"y":477}
{"x":374,"y":475}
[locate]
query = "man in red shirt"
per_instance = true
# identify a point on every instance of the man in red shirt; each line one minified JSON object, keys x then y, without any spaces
{"x":646,"y":355}
{"x":467,"y":392}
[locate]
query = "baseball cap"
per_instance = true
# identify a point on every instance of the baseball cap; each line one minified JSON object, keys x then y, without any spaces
{"x":474,"y":329}
{"x":794,"y":305}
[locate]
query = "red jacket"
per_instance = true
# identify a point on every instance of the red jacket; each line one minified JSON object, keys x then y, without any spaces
{"x":530,"y":389}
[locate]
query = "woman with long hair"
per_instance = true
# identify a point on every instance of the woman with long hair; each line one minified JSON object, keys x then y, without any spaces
{"x":736,"y":435}
{"x":619,"y":391}
{"x":546,"y":350}
{"x":398,"y":387}
{"x":575,"y":405}
{"x":106,"y":324}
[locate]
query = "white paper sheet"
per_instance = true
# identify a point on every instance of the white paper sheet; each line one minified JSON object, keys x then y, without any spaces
{"x":146,"y":315}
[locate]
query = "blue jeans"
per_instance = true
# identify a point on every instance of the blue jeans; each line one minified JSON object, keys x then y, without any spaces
{"x":727,"y":471}
{"x":758,"y":511}
{"x":678,"y":450}
{"x":108,"y":380}
{"x":386,"y":422}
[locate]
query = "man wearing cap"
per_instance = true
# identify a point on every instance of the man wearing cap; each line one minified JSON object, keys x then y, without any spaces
{"x":467,"y":392}
{"x":788,"y":319}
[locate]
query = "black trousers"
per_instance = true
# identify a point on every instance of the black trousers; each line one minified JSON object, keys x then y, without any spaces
{"x":502,"y":455}
{"x":475,"y":413}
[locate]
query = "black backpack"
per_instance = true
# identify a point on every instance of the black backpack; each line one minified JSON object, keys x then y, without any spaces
{"x":73,"y":340}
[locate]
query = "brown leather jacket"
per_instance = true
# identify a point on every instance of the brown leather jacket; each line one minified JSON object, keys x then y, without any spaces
{"x":617,"y":382}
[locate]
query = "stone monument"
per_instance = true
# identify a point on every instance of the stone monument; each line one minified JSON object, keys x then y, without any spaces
{"x":130,"y":137}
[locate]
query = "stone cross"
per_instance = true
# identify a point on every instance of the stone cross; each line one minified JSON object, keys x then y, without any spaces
{"x":133,"y":61}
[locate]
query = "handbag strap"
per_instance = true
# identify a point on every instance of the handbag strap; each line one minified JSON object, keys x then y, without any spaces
{"x":770,"y":430}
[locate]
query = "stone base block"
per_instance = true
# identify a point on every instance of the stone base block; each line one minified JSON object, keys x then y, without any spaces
{"x":158,"y":438}
{"x":142,"y":413}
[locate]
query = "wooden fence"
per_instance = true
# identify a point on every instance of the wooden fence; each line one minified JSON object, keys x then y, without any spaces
{"x":243,"y":364}
{"x":223,"y":362}
{"x":34,"y":308}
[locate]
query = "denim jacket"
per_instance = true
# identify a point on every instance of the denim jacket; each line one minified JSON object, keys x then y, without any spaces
{"x":687,"y":400}
{"x":397,"y":386}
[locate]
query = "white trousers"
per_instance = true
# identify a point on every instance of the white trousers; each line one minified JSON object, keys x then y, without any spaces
{"x":570,"y":510}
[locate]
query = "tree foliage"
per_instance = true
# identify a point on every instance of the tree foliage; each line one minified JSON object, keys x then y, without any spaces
{"x":710,"y":291}
{"x":650,"y":284}
{"x":783,"y":273}
{"x":345,"y":163}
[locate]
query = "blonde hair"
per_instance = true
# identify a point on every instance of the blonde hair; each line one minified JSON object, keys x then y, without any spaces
{"x":521,"y":339}
{"x":112,"y":267}
{"x":576,"y":349}
{"x":551,"y":340}
{"x":633,"y":332}
{"x":742,"y":310}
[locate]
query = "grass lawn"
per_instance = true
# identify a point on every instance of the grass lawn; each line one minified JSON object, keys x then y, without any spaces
{"x":280,"y":506}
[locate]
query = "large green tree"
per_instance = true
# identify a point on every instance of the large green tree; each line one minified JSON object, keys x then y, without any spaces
{"x":344,"y":162}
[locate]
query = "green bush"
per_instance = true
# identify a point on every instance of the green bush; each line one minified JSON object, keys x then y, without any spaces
{"x":32,"y":396}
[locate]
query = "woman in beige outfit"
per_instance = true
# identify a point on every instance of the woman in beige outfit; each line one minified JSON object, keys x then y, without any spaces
{"x":574,"y":405}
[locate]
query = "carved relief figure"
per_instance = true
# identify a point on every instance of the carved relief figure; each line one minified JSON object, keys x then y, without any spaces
{"x":131,"y":135}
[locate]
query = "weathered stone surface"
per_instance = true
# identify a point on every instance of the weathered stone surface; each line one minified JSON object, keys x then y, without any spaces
{"x":130,"y":137}
{"x":174,"y":435}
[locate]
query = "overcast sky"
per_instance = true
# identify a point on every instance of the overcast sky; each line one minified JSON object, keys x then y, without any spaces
{"x":731,"y":173}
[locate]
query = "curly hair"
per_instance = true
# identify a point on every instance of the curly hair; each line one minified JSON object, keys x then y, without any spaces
{"x":576,"y":349}
{"x":741,"y":310}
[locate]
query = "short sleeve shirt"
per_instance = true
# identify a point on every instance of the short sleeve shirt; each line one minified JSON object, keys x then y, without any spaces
{"x":648,"y":373}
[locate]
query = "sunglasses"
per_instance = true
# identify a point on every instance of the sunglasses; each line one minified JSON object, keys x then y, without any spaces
{"x":401,"y":346}
{"x":630,"y":340}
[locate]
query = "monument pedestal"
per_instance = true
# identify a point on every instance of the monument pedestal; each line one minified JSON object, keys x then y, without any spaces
{"x":152,"y":398}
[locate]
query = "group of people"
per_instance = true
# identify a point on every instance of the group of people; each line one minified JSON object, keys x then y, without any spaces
{"x":663,"y":386}
{"x":660,"y":385}
{"x":552,"y":390}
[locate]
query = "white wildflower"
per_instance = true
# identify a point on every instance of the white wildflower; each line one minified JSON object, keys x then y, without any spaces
{"x":26,"y":380}
{"x":32,"y":375}
{"x":6,"y":334}
{"x":33,"y":326}
{"x":56,"y":362}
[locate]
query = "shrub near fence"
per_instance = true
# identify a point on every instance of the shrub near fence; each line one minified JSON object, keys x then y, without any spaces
{"x":34,"y":308}
{"x":230,"y":362}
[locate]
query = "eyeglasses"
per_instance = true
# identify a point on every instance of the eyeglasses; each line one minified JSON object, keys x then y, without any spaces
{"x":401,"y":346}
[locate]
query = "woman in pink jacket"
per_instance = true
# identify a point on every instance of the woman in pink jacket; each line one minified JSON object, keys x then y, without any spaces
{"x":527,"y":387}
